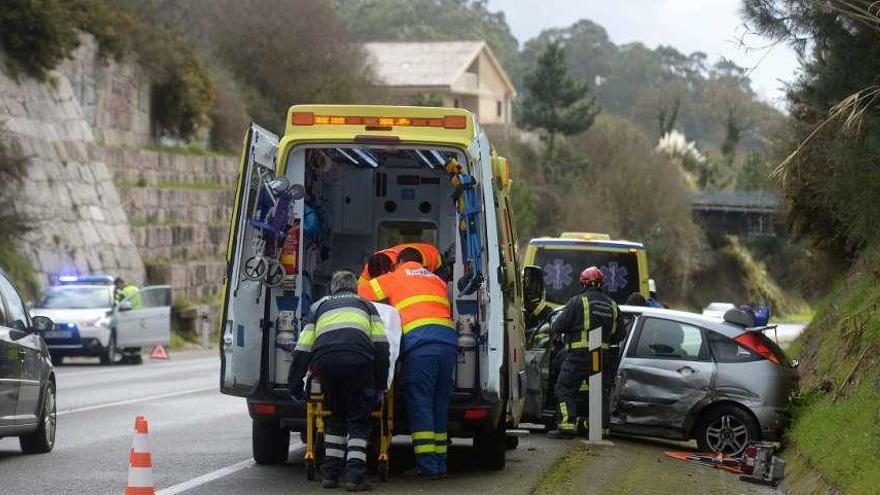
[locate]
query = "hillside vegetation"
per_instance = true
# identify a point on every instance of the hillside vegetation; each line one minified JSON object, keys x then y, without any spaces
{"x":830,"y":183}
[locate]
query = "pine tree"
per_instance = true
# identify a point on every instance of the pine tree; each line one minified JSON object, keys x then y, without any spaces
{"x":555,"y":102}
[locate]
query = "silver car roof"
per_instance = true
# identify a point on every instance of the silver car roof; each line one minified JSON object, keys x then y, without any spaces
{"x":715,"y":324}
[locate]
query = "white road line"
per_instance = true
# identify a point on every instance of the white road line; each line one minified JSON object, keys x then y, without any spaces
{"x":135,"y":401}
{"x":65,"y":372}
{"x":206,"y":478}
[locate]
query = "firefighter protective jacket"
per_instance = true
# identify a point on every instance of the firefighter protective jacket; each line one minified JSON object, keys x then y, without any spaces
{"x":342,"y":326}
{"x":574,"y":323}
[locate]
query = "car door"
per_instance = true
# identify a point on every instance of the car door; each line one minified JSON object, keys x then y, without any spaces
{"x":150,"y":323}
{"x":10,"y":373}
{"x":665,"y":373}
{"x":244,"y":300}
{"x":24,"y":347}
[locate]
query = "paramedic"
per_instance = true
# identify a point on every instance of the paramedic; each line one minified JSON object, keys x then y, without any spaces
{"x":652,"y":301}
{"x":126,"y":291}
{"x":431,"y":258}
{"x":429,"y":349}
{"x":344,"y":344}
{"x":587,"y":311}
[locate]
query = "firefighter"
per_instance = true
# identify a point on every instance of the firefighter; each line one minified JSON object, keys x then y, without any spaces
{"x":429,"y":349}
{"x":384,"y":260}
{"x":587,"y":311}
{"x":125,"y":291}
{"x":344,"y":344}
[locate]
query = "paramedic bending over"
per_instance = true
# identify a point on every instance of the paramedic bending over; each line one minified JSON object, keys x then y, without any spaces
{"x":429,"y":349}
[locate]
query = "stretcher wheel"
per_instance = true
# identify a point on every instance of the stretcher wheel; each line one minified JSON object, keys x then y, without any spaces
{"x":310,"y":470}
{"x":382,"y":468}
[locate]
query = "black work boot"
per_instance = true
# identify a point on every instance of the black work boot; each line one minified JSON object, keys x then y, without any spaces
{"x":583,"y":428}
{"x":561,"y":434}
{"x":362,"y":486}
{"x":330,"y":483}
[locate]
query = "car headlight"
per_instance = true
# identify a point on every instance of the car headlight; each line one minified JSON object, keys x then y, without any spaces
{"x":101,"y":321}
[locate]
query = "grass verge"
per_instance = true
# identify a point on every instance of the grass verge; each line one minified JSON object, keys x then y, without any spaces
{"x":557,"y":478}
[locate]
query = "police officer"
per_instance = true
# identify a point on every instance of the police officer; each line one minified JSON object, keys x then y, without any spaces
{"x":126,"y":291}
{"x":587,"y":311}
{"x":344,"y":343}
{"x":429,"y":349}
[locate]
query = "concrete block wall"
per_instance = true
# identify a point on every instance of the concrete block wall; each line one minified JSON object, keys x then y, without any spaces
{"x":68,"y":195}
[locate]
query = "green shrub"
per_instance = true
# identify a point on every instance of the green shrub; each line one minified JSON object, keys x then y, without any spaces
{"x":35,"y":36}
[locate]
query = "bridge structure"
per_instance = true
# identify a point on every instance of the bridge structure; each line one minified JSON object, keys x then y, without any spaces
{"x":743,"y":213}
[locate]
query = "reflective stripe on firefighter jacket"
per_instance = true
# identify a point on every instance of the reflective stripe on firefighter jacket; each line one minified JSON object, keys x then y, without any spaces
{"x":585,"y":312}
{"x":421,"y":298}
{"x":430,"y":256}
{"x":342,"y":323}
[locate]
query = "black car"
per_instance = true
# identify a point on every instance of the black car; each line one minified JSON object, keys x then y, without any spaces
{"x":27,"y":378}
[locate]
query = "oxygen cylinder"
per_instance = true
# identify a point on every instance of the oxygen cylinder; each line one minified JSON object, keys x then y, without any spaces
{"x":466,"y":367}
{"x":285,"y":341}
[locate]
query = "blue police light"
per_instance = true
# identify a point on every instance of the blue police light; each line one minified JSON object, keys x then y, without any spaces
{"x":67,"y":278}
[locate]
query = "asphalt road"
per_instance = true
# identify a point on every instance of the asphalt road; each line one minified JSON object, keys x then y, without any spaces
{"x":201,"y":440}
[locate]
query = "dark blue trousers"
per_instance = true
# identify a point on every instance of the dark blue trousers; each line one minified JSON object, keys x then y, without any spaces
{"x":428,"y":369}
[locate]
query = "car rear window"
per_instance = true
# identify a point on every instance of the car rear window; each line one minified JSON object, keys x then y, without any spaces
{"x":725,"y":350}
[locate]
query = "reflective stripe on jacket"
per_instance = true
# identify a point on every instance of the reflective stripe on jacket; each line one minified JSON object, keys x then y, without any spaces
{"x":585,"y":312}
{"x":420,"y":297}
{"x":345,"y":323}
{"x":430,"y":256}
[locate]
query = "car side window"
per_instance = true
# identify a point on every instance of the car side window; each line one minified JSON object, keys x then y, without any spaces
{"x":668,"y":339}
{"x":726,"y":350}
{"x":17,"y":316}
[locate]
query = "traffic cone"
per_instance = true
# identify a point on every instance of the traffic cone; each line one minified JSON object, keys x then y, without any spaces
{"x":159,"y":353}
{"x":140,"y":463}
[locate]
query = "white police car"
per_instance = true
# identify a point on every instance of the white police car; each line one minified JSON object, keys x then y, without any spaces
{"x":89,"y":322}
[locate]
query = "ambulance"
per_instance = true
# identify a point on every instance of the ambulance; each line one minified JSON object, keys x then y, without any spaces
{"x":623,"y":263}
{"x":361,"y":178}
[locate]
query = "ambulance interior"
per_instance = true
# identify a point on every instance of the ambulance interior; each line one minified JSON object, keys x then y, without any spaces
{"x":360,"y":199}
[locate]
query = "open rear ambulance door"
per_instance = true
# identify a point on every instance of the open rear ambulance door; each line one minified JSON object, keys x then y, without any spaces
{"x":241,"y":348}
{"x":492,"y":383}
{"x":511,"y":287}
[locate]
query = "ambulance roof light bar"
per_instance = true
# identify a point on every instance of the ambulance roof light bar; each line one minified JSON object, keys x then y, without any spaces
{"x":446,"y":122}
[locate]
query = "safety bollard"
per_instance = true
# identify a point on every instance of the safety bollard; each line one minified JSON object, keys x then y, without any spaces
{"x":596,"y":400}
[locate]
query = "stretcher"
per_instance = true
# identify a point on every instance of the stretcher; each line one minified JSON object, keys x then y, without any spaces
{"x":381,"y":432}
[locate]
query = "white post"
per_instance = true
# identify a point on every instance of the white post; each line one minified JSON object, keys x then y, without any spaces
{"x":596,"y":409}
{"x":206,"y":328}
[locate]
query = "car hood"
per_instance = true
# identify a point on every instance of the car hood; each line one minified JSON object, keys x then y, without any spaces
{"x":70,"y":315}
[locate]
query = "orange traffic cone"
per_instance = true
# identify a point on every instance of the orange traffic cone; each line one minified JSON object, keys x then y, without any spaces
{"x":140,"y":463}
{"x":159,"y":353}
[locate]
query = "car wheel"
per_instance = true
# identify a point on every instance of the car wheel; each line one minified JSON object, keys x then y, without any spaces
{"x":110,"y":354}
{"x":42,"y":440}
{"x":490,"y":447}
{"x":726,"y":429}
{"x":270,"y":442}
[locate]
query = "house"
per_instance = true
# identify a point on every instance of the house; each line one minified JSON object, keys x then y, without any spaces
{"x":463,"y":74}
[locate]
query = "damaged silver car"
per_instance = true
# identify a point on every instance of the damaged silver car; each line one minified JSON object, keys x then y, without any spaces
{"x":680,"y":376}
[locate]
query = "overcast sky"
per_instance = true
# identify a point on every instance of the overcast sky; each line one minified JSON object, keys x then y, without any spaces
{"x":711,"y":26}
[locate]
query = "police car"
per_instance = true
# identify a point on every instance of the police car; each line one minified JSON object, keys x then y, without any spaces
{"x":89,"y":322}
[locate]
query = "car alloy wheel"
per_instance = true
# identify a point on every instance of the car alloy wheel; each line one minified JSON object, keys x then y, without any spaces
{"x":50,"y":416}
{"x":727,"y":434}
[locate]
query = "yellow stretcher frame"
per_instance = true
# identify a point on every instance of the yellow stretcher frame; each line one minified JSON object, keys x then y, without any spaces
{"x":315,"y":414}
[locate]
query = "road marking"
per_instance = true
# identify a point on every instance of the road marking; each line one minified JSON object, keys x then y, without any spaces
{"x":206,"y":478}
{"x":68,"y":372}
{"x":135,"y":401}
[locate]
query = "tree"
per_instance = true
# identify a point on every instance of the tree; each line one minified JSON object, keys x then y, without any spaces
{"x":431,"y":20}
{"x":831,"y":181}
{"x":556,"y":103}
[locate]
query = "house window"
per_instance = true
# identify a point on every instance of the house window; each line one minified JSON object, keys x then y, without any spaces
{"x":499,"y":109}
{"x":455,"y":103}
